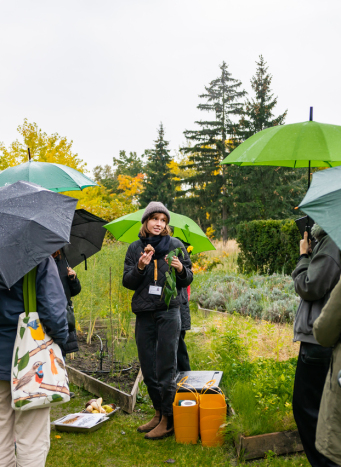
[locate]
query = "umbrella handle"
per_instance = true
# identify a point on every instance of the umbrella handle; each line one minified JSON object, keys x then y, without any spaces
{"x":86,"y":266}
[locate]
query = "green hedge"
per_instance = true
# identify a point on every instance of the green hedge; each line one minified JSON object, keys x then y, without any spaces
{"x":268,"y":246}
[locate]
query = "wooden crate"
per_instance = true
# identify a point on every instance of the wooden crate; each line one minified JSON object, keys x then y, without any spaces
{"x":253,"y":447}
{"x":125,"y":401}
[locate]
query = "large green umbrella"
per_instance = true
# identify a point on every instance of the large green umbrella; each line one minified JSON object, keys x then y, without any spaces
{"x":323,"y":202}
{"x":126,"y":229}
{"x":54,"y":177}
{"x":307,"y":144}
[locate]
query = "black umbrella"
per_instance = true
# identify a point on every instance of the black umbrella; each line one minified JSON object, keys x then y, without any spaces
{"x":34,"y":223}
{"x":86,"y":238}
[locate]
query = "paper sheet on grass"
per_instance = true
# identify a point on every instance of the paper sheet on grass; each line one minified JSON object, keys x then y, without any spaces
{"x":81,"y":420}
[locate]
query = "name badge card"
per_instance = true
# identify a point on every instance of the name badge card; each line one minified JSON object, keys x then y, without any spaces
{"x":155,"y":290}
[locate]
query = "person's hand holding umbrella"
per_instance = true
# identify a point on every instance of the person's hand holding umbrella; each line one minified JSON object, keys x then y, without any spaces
{"x":71,"y":273}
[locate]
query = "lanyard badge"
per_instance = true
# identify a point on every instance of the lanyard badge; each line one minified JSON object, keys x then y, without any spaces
{"x":155,"y":289}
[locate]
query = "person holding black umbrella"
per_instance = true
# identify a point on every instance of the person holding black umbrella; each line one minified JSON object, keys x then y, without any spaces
{"x":72,"y":287}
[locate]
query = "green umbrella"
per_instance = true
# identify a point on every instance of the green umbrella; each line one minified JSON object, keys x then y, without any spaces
{"x":297,"y":145}
{"x":126,"y":229}
{"x":323,"y":202}
{"x":54,"y":177}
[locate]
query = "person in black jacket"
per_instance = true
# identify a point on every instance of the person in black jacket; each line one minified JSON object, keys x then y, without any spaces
{"x":183,"y":357}
{"x":157,"y":328}
{"x":72,"y":287}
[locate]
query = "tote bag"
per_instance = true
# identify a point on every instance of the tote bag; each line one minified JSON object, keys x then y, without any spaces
{"x":38,"y":376}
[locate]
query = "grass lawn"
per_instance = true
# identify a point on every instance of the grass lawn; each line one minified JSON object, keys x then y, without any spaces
{"x":118,"y":443}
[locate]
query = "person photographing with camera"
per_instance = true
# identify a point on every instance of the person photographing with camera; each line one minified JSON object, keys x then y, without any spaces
{"x":315,"y":276}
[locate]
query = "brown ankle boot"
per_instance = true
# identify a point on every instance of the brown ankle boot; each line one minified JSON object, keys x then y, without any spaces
{"x":165,"y":428}
{"x":147,"y":427}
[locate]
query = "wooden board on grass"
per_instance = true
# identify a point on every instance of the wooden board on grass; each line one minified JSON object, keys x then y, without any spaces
{"x":125,"y":401}
{"x":253,"y":447}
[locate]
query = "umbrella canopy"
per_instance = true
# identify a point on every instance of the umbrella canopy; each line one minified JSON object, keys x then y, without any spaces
{"x":54,"y":177}
{"x":323,"y":202}
{"x":126,"y":229}
{"x":86,"y":237}
{"x":307,"y":144}
{"x":34,"y":223}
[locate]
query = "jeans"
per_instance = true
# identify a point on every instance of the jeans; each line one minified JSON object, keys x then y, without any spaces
{"x":312,"y":368}
{"x":183,"y":358}
{"x":157,"y":337}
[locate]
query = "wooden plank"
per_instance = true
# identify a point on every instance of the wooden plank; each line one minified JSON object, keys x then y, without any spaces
{"x":213,"y":311}
{"x":135,"y":389}
{"x":100,"y":389}
{"x":253,"y":447}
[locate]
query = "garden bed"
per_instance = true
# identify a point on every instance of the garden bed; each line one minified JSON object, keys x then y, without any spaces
{"x":254,"y":447}
{"x":111,"y":371}
{"x":119,"y":374}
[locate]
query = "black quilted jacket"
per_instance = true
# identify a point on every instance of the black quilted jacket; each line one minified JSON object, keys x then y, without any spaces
{"x":184,"y":311}
{"x":133,"y":279}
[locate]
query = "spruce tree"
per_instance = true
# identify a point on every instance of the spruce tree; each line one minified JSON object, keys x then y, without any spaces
{"x":209,"y":186}
{"x":158,"y":181}
{"x":262,"y":192}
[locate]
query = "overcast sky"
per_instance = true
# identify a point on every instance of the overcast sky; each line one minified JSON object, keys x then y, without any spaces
{"x":105,"y":73}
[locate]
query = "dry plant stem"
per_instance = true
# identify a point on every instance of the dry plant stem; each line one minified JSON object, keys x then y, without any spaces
{"x":111,"y":325}
{"x":91,"y":293}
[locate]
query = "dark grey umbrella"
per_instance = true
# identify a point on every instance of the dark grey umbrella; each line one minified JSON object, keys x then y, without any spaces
{"x":34,"y":223}
{"x":87,"y":234}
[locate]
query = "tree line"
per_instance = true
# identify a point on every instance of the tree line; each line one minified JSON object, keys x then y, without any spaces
{"x":193,"y":182}
{"x":217,"y":196}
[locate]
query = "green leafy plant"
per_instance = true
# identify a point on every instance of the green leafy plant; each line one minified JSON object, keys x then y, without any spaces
{"x":169,"y":288}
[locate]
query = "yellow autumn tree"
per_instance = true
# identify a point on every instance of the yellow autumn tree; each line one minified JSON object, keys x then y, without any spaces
{"x":131,"y":187}
{"x":43,"y":148}
{"x":57,"y":149}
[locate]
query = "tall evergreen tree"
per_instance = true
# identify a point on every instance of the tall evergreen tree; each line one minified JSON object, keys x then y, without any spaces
{"x":208,"y":186}
{"x":262,"y":192}
{"x":158,"y":181}
{"x":258,"y":113}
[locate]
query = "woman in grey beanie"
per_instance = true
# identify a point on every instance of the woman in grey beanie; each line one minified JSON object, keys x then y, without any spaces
{"x":157,"y":328}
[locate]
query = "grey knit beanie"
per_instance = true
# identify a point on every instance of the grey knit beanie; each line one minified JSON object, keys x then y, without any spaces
{"x":155,"y":206}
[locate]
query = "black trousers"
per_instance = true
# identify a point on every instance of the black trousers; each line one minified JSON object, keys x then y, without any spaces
{"x":157,"y":337}
{"x":183,"y":358}
{"x":312,"y":368}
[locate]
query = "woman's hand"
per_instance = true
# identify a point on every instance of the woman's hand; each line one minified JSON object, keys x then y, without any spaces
{"x":305,"y":245}
{"x":71,"y":273}
{"x":176,"y":263}
{"x":145,"y":259}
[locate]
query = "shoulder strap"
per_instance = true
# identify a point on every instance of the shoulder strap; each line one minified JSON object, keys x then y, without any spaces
{"x":29,"y":291}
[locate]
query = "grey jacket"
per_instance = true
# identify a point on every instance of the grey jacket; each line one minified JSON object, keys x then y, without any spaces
{"x":327,"y":330}
{"x":314,"y":279}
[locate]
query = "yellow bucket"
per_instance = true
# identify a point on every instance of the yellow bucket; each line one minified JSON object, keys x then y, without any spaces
{"x":212,"y":416}
{"x":186,"y":419}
